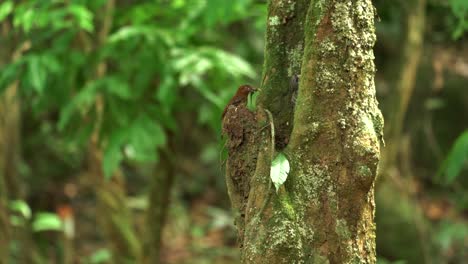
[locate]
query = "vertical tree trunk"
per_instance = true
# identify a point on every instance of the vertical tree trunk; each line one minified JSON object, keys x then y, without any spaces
{"x":160,"y":193}
{"x":10,"y":132}
{"x":113,"y":214}
{"x":324,"y":213}
{"x":400,"y":213}
{"x":413,"y":26}
{"x":4,"y":223}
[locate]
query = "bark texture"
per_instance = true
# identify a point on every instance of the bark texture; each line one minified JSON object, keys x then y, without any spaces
{"x":324,"y":213}
{"x":283,"y":58}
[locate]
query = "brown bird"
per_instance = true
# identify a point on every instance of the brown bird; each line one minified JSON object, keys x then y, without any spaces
{"x":240,"y":97}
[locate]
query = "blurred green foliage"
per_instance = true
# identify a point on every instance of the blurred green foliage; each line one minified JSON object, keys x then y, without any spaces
{"x":455,"y":161}
{"x":460,"y":11}
{"x":168,"y":60}
{"x":162,"y":57}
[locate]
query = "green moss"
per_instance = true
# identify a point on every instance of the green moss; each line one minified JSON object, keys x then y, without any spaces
{"x":336,"y":105}
{"x":295,"y":59}
{"x":313,"y":181}
{"x":364,"y":171}
{"x":342,"y":229}
{"x":286,"y":206}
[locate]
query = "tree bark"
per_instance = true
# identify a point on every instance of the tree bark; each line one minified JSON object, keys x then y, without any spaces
{"x":324,"y":213}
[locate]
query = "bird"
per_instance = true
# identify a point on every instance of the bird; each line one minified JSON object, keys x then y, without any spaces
{"x":239,"y":98}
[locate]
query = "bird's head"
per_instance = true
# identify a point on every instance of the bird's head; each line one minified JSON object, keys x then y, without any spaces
{"x":246,"y":89}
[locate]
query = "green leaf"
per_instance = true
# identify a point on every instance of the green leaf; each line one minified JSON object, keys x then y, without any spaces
{"x":37,"y":75}
{"x":47,"y":222}
{"x":149,"y":33}
{"x":251,"y":101}
{"x":100,"y":256}
{"x":83,"y":16}
{"x":455,"y":160}
{"x":9,"y":73}
{"x":82,"y":101}
{"x":21,"y":207}
{"x":113,"y":152}
{"x":279,"y":170}
{"x":5,"y":9}
{"x":146,"y":136}
{"x":117,"y":87}
{"x":25,"y":18}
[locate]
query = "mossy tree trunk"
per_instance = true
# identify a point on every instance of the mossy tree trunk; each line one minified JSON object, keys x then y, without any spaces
{"x":324,"y":213}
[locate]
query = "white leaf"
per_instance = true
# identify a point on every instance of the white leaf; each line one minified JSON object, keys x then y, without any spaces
{"x":279,"y":170}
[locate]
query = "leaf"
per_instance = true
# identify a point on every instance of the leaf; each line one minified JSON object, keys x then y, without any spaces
{"x":279,"y":170}
{"x":83,"y":16}
{"x":9,"y":73}
{"x":100,"y":256}
{"x":82,"y":101}
{"x":113,"y":152}
{"x":117,"y":87}
{"x":251,"y":101}
{"x":455,"y":160}
{"x":46,"y":222}
{"x":5,"y":9}
{"x":37,"y":75}
{"x":146,"y":136}
{"x":167,"y":90}
{"x":150,"y":33}
{"x":21,"y":207}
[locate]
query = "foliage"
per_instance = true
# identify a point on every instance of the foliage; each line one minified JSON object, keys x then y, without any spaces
{"x":151,"y":68}
{"x":42,"y":221}
{"x":279,"y":170}
{"x":100,"y":256}
{"x":455,"y":161}
{"x":460,"y":11}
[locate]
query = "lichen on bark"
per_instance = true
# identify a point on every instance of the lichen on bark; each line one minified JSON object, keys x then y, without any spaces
{"x":338,"y":167}
{"x":324,"y":212}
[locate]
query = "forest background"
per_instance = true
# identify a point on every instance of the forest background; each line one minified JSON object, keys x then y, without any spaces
{"x":110,"y":142}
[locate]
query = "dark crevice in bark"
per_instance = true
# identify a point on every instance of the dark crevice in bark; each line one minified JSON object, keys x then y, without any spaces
{"x":282,"y":65}
{"x":324,"y":211}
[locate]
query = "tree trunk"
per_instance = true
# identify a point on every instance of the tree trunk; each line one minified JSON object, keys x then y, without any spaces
{"x":399,"y":212}
{"x":324,"y":213}
{"x":5,"y":232}
{"x":413,"y":27}
{"x":10,"y":132}
{"x":114,"y":215}
{"x":160,"y":193}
